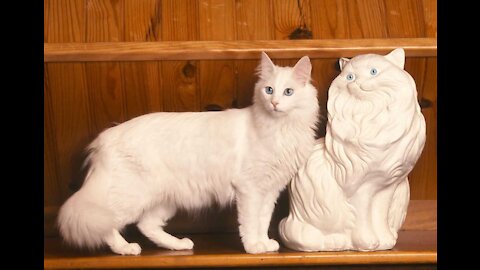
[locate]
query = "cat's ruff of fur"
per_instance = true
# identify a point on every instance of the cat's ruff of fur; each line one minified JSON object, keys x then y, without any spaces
{"x":143,"y":170}
{"x":353,"y":192}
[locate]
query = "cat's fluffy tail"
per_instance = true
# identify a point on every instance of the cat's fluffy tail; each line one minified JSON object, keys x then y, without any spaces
{"x":84,"y":223}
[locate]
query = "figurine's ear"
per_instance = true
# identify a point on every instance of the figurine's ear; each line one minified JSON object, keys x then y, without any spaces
{"x":302,"y":70}
{"x":266,"y":67}
{"x":397,"y":57}
{"x":342,"y":62}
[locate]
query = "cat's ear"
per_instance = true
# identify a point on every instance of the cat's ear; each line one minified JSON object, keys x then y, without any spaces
{"x":342,"y":62}
{"x":266,"y":67}
{"x":397,"y":57}
{"x":302,"y":70}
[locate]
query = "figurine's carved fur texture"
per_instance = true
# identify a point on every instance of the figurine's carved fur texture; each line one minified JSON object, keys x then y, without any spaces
{"x":353,"y":192}
{"x":144,"y":170}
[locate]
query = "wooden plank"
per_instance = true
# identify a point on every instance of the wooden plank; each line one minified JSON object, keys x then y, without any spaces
{"x":367,"y":19}
{"x":216,"y":79}
{"x":430,"y":17}
{"x":46,"y":9}
{"x":70,"y":117}
{"x":65,"y":21}
{"x":225,"y":250}
{"x":143,"y":20}
{"x":253,"y":22}
{"x":66,"y":107}
{"x":180,"y":86}
{"x":142,"y":82}
{"x":180,"y":23}
{"x":421,"y":215}
{"x":330,"y":19}
{"x":51,"y":188}
{"x":289,"y":15}
{"x":105,"y":23}
{"x":143,"y":88}
{"x":424,"y":175}
{"x":221,"y":50}
{"x":324,"y":71}
{"x":404,"y":18}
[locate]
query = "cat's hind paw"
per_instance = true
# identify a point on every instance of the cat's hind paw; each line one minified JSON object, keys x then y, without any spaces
{"x":184,"y":244}
{"x":128,"y":249}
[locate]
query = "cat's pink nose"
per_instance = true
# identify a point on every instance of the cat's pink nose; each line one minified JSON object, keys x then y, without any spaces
{"x":274,"y":103}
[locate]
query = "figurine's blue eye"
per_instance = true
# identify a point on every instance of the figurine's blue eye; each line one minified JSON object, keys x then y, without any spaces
{"x":269,"y":90}
{"x":373,"y":71}
{"x":350,"y":77}
{"x":288,"y":92}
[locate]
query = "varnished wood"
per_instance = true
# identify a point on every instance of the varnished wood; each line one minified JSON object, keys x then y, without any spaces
{"x":430,"y":17}
{"x":221,"y":250}
{"x":201,"y":50}
{"x":366,"y":19}
{"x":216,"y":79}
{"x":423,"y":177}
{"x":330,"y":19}
{"x":404,"y":18}
{"x":421,"y":215}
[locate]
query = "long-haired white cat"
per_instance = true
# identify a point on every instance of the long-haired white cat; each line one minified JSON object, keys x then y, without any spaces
{"x":144,"y":170}
{"x":353,"y":192}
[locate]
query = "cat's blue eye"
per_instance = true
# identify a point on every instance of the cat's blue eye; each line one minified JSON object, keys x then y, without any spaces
{"x":350,"y":76}
{"x":269,"y":90}
{"x":373,"y":71}
{"x":288,"y":92}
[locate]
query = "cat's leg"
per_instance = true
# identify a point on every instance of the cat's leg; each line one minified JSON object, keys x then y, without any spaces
{"x":363,"y":235}
{"x":265,"y":217}
{"x":151,"y":225}
{"x":380,"y":206}
{"x":120,"y":246}
{"x":248,"y":208}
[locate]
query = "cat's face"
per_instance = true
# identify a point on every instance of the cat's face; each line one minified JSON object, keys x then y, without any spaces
{"x":282,"y":90}
{"x":374,"y":78}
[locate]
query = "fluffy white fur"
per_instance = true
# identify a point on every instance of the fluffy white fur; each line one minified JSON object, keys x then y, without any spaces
{"x":353,"y":192}
{"x":144,"y":170}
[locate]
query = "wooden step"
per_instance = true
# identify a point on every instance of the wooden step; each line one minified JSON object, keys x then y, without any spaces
{"x":218,"y":50}
{"x":225,"y":250}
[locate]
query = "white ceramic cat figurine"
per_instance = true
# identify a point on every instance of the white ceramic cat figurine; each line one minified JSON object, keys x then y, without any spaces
{"x":353,"y":192}
{"x":144,"y":170}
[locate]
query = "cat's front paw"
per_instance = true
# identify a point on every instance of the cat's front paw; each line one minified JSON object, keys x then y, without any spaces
{"x":272,"y":245}
{"x":261,"y":246}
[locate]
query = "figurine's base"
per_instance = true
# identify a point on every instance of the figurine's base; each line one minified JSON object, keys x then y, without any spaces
{"x":225,"y":250}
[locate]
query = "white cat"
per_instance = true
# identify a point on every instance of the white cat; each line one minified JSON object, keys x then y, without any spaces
{"x":144,"y":170}
{"x":353,"y":192}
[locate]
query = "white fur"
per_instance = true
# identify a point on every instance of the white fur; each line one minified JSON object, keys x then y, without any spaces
{"x":144,"y":170}
{"x":353,"y":191}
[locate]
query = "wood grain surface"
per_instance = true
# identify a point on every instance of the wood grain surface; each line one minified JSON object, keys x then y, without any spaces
{"x":225,"y":250}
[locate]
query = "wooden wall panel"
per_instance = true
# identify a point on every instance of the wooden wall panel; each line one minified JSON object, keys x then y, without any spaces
{"x":330,"y":19}
{"x":323,"y":73}
{"x":430,"y":17}
{"x":142,"y":80}
{"x":423,"y":178}
{"x":404,"y":18}
{"x":68,"y":95}
{"x":105,"y":22}
{"x":367,"y":19}
{"x":288,"y":16}
{"x":216,"y":79}
{"x":253,"y":22}
{"x":51,"y":185}
{"x":65,"y":21}
{"x":180,"y":23}
{"x":66,"y":116}
{"x":143,"y":20}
